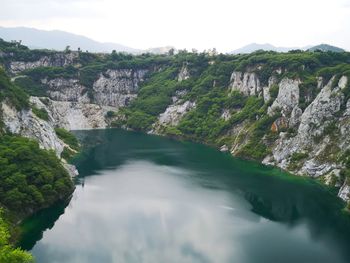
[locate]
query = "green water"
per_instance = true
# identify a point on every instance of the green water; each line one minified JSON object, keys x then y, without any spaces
{"x":142,"y":198}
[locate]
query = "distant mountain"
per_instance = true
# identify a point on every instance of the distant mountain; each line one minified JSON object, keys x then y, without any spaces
{"x":159,"y":50}
{"x":267,"y":47}
{"x":326,"y":47}
{"x":58,"y":40}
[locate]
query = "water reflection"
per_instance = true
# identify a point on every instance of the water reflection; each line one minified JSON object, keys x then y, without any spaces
{"x":148,"y":199}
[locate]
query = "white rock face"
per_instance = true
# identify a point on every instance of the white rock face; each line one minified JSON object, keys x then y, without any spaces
{"x":315,"y":169}
{"x":246,"y":83}
{"x":54,"y":60}
{"x":319,"y":112}
{"x":27,"y":124}
{"x":312,"y":124}
{"x":343,"y":81}
{"x":61,"y":89}
{"x":323,"y":111}
{"x":117,"y":87}
{"x":183,"y":74}
{"x":347,"y":111}
{"x":295,"y":116}
{"x":74,"y":115}
{"x":266,"y":94}
{"x":344,"y":192}
{"x":266,"y":90}
{"x":175,"y":112}
{"x":224,"y":148}
{"x":226,"y":114}
{"x":287,"y":98}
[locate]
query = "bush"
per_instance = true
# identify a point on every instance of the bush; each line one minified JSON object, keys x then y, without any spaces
{"x":139,"y":120}
{"x":67,"y":154}
{"x":12,"y":93}
{"x":298,"y":156}
{"x":7,"y":252}
{"x":33,"y":88}
{"x":41,"y":113}
{"x":68,"y":138}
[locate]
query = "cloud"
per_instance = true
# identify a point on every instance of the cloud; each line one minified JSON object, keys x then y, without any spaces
{"x":224,"y":24}
{"x":40,"y":10}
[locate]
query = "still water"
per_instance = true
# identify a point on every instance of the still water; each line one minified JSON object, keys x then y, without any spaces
{"x":142,"y":198}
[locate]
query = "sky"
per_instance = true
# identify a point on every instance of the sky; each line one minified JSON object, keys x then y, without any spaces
{"x":201,"y":24}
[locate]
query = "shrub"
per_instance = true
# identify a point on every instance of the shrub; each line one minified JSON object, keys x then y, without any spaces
{"x":68,"y":138}
{"x":41,"y":113}
{"x":7,"y":252}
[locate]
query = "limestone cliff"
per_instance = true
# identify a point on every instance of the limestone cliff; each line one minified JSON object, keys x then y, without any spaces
{"x":55,"y":59}
{"x":315,"y":127}
{"x":117,"y":87}
{"x":27,"y":124}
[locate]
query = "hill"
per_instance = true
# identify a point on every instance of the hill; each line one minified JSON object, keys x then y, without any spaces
{"x":326,"y":47}
{"x":266,"y":47}
{"x":58,"y":40}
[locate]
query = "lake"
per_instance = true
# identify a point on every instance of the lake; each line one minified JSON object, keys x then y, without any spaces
{"x":143,"y":198}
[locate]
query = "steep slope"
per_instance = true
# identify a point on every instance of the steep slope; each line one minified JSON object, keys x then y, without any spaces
{"x":32,"y":176}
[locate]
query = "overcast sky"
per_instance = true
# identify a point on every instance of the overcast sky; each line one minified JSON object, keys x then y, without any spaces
{"x":224,"y":24}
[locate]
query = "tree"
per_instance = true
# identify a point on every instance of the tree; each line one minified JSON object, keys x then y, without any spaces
{"x":8,"y":254}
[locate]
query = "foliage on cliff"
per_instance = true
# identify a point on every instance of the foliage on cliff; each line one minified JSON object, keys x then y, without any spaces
{"x":11,"y":93}
{"x":30,"y":178}
{"x":9,"y":254}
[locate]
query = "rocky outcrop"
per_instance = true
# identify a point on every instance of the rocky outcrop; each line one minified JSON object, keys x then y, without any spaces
{"x":305,"y":145}
{"x":61,"y":89}
{"x":247,"y":83}
{"x":295,"y":117}
{"x":73,"y":115}
{"x":344,"y":192}
{"x":287,"y":98}
{"x":280,"y":124}
{"x":183,"y":74}
{"x":117,"y":87}
{"x":266,"y":90}
{"x":314,"y":127}
{"x":226,"y":114}
{"x":320,"y":112}
{"x":27,"y":124}
{"x":56,"y":59}
{"x":175,"y":112}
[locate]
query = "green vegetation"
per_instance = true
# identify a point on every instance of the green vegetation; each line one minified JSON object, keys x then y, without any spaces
{"x":9,"y":254}
{"x":67,"y":154}
{"x":256,"y":148}
{"x":297,"y":156}
{"x":68,"y":138}
{"x":17,"y":52}
{"x":11,"y":93}
{"x":30,"y":178}
{"x":326,"y":48}
{"x":295,"y":160}
{"x":51,"y":72}
{"x":32,"y":87}
{"x":41,"y":113}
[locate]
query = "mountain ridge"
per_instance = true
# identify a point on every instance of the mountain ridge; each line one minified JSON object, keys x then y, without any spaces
{"x":252,"y":47}
{"x":59,"y":40}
